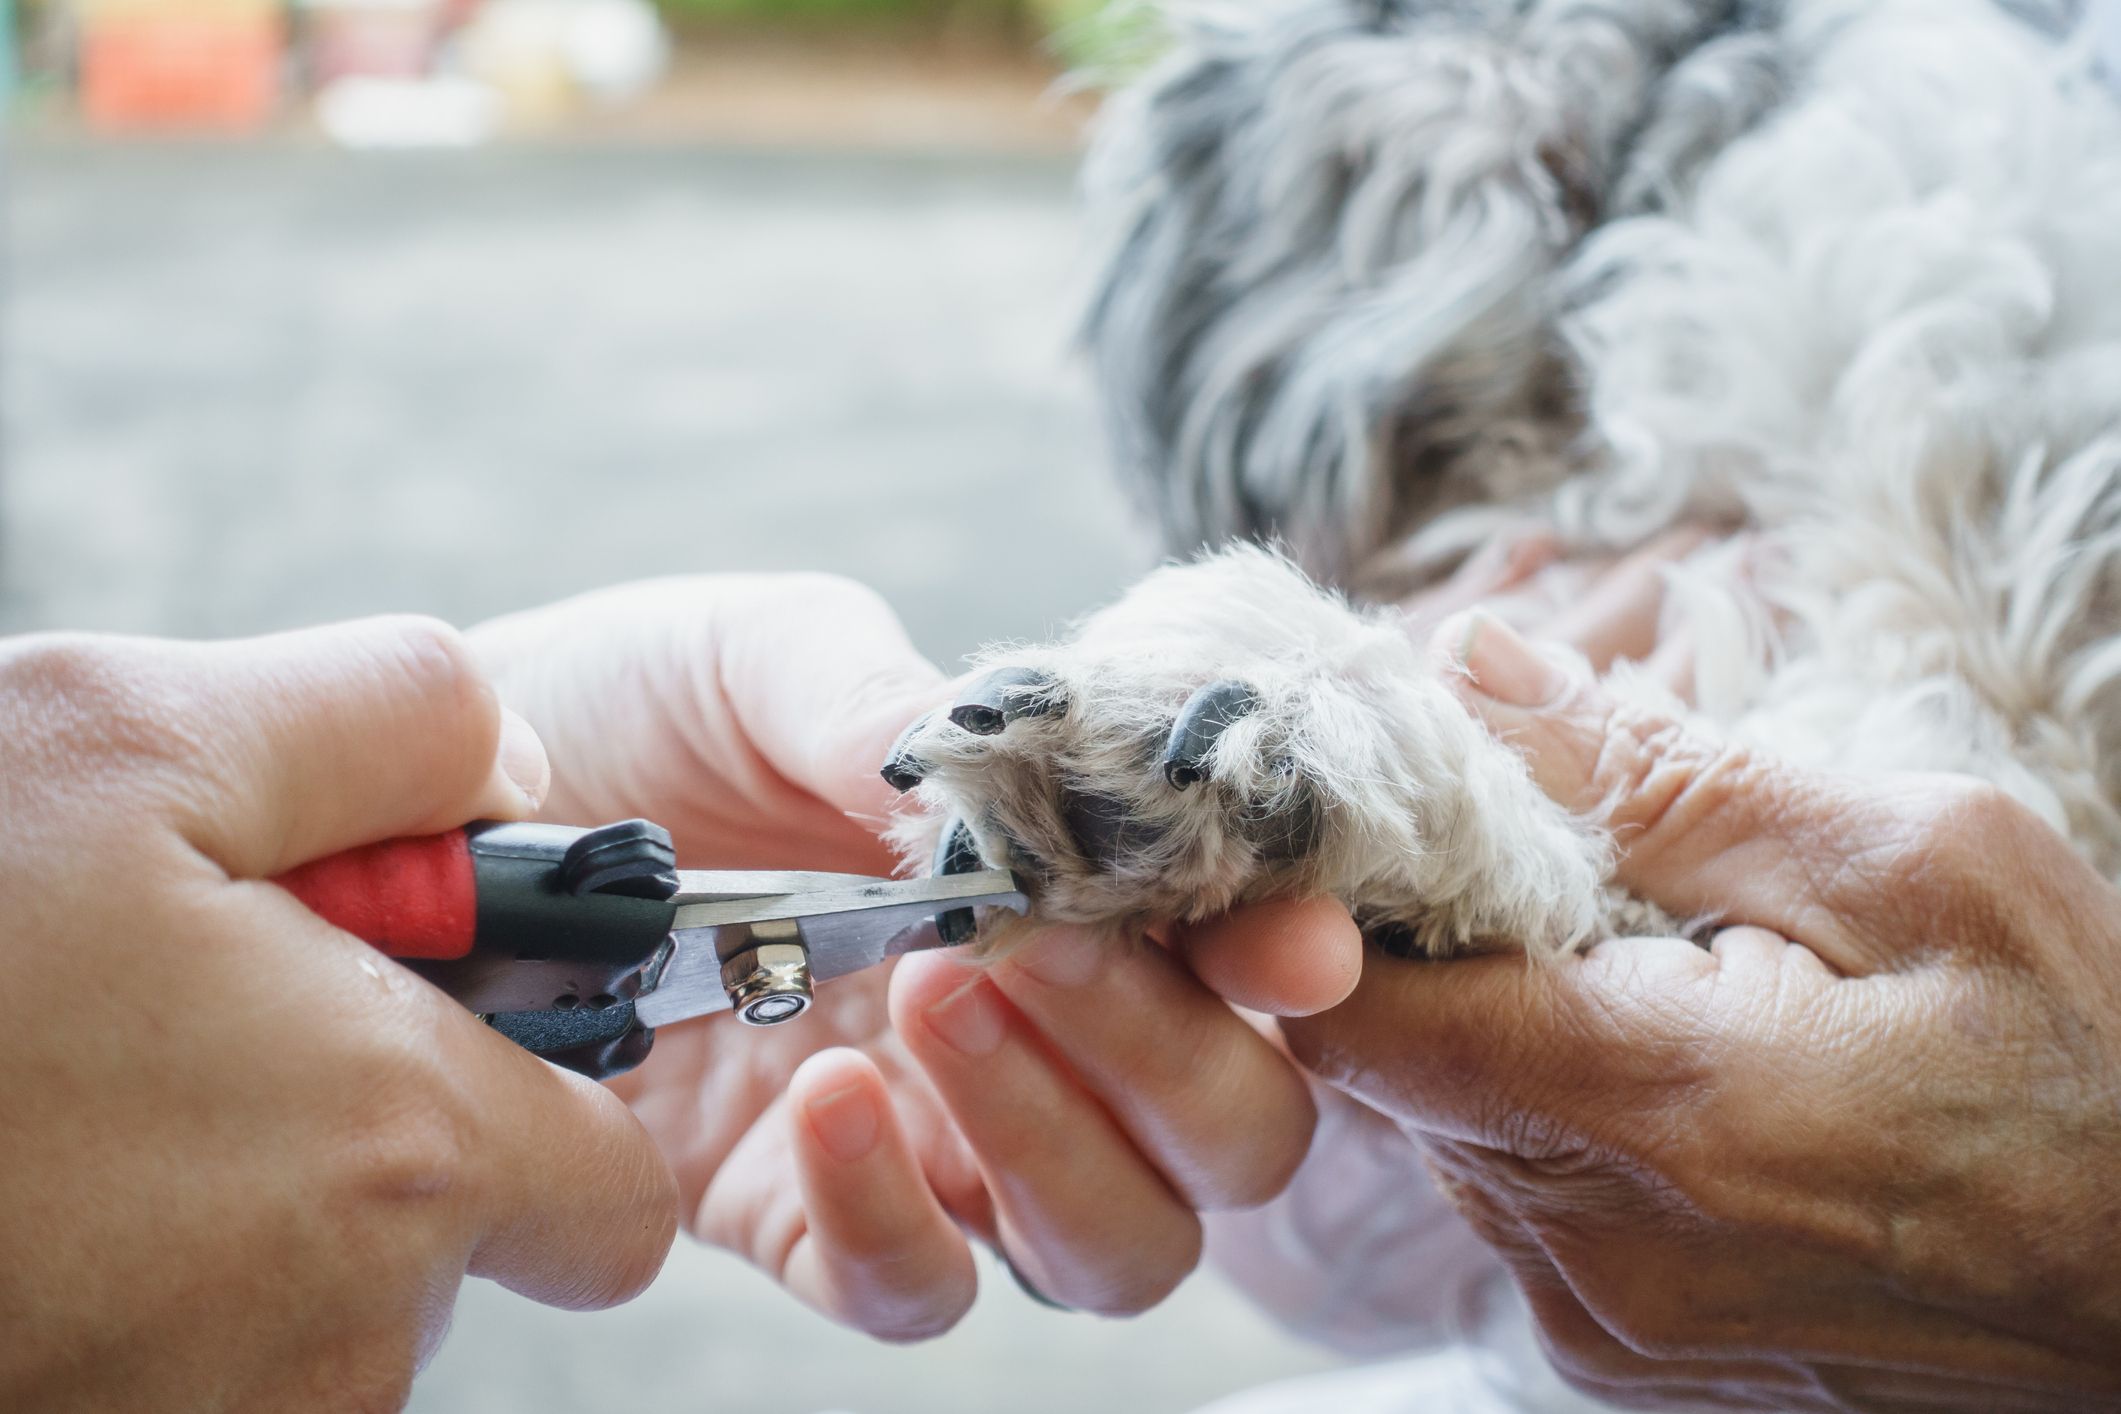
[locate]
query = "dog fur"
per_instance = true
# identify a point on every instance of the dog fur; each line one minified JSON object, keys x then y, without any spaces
{"x":1386,"y":278}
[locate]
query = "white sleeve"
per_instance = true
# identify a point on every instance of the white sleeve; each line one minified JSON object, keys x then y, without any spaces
{"x":1361,"y":1253}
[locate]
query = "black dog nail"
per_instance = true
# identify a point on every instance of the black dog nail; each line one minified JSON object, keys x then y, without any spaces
{"x":900,"y":769}
{"x":957,"y":854}
{"x":1000,"y":697}
{"x":1393,"y":939}
{"x":1207,"y":714}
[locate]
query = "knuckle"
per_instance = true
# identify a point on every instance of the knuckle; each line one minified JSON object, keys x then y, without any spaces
{"x":409,"y":1152}
{"x":437,"y":664}
{"x":65,"y":664}
{"x":1656,"y":778}
{"x":429,"y":682}
{"x":412,"y":1131}
{"x":1952,"y":868}
{"x":1969,"y":823}
{"x":90,"y":698}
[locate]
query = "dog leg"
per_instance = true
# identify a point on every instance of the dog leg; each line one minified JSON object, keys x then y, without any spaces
{"x":1228,"y":732}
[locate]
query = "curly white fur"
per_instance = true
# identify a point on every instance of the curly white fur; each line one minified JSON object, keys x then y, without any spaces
{"x":1354,"y":773}
{"x":1844,"y":271}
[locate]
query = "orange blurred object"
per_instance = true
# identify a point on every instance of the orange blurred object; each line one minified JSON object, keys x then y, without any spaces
{"x":166,"y":66}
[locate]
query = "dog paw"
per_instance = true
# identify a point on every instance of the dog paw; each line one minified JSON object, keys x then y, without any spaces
{"x":1227,"y":732}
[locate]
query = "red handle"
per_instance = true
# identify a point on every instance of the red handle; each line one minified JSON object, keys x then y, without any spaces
{"x":411,"y":898}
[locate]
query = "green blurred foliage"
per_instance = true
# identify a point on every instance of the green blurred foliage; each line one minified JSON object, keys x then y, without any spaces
{"x":1107,"y":41}
{"x":995,"y":15}
{"x":1100,"y":37}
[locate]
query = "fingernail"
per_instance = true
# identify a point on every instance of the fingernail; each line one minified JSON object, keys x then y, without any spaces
{"x":522,"y":758}
{"x":969,"y":1020}
{"x":1499,"y":662}
{"x":1062,"y":957}
{"x":1451,"y":639}
{"x":845,"y":1121}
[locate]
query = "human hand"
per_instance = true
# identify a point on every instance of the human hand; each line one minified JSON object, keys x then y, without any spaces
{"x":1858,"y":1155}
{"x":1605,"y":608}
{"x":1356,"y":1252}
{"x":248,"y":1160}
{"x":1074,"y":1105}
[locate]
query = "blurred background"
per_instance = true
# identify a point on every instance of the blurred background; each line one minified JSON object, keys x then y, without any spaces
{"x":457,"y":306}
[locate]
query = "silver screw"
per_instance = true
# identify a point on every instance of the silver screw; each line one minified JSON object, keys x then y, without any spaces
{"x":768,"y":983}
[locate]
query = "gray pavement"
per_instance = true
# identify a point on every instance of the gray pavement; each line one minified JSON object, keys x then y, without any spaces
{"x":246,"y":388}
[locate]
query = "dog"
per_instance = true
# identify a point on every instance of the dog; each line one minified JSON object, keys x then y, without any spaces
{"x":1386,"y":277}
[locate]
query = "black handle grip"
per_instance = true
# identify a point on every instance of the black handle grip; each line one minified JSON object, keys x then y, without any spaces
{"x":598,"y":1044}
{"x":568,"y":920}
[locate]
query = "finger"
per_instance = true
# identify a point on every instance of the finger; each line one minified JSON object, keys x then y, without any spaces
{"x":1502,"y":563}
{"x":1705,"y":829}
{"x":1743,"y":953}
{"x":1671,"y":667}
{"x":877,"y":1250}
{"x":1595,"y":1362}
{"x":1217,"y":1108}
{"x":1619,"y":617}
{"x":1531,"y":1059}
{"x":340,"y":736}
{"x":779,"y":691}
{"x":1079,"y":1210}
{"x":820,"y":677}
{"x":578,"y":1207}
{"x":1292,"y":957}
{"x":1578,"y":1347}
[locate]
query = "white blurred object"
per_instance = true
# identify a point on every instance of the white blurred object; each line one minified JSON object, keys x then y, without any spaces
{"x":617,"y":48}
{"x":544,"y":55}
{"x":366,"y":112}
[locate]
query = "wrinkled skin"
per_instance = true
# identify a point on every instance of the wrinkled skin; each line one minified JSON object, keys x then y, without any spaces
{"x":1858,"y":1155}
{"x":1078,"y":1108}
{"x":249,"y":1162}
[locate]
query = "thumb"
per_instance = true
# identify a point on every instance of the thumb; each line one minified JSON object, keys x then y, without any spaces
{"x":1284,"y":957}
{"x":1528,"y":1057}
{"x":578,"y":1206}
{"x":1705,"y":829}
{"x":318,"y":740}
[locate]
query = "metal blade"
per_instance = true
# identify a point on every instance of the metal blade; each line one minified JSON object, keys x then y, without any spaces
{"x":720,"y":885}
{"x":854,"y":923}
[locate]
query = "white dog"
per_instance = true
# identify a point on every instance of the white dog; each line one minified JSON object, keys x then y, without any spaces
{"x":1389,"y":273}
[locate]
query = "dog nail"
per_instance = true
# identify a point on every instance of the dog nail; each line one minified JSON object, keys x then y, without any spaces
{"x":957,"y":854}
{"x":1393,"y":939}
{"x":900,"y":769}
{"x":1207,"y":714}
{"x":1001,"y":697}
